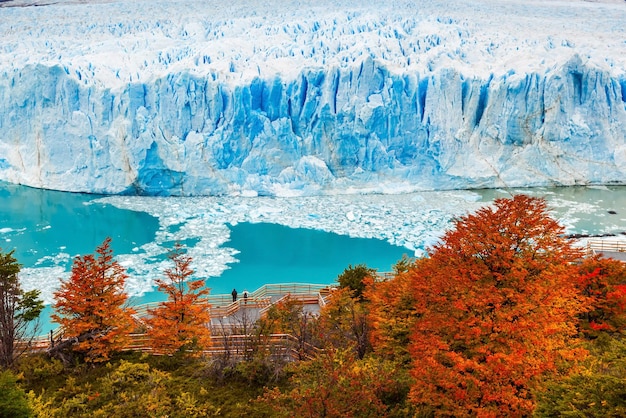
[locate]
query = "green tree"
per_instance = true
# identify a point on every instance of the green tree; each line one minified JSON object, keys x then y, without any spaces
{"x":344,"y":323}
{"x":393,"y":312}
{"x":404,"y":264}
{"x":352,"y":278}
{"x":19,"y":312}
{"x":289,"y":317}
{"x":13,"y":400}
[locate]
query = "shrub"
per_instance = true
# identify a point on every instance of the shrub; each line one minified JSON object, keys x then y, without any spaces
{"x":13,"y":400}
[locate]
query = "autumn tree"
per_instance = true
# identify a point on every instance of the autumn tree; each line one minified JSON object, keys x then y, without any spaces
{"x":181,"y":324}
{"x":604,"y":283}
{"x":91,"y":307}
{"x":19,"y":312}
{"x":344,"y":322}
{"x":335,"y":384}
{"x":392,"y":314}
{"x":496,"y":306}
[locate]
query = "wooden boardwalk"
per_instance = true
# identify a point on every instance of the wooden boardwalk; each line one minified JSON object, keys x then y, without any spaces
{"x":231,"y":321}
{"x":608,"y":248}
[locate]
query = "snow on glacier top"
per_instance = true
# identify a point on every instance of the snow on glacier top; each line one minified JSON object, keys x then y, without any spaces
{"x":111,"y":44}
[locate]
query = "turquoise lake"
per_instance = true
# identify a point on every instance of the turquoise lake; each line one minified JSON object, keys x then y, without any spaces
{"x":244,"y":243}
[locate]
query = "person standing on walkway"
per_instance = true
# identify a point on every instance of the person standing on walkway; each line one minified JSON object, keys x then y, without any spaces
{"x":234,"y":293}
{"x":245,"y":297}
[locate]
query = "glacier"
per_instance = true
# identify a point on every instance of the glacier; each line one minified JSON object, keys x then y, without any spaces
{"x":190,"y":97}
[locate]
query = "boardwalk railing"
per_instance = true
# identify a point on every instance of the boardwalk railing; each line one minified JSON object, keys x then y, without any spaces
{"x":595,"y":246}
{"x":221,"y":305}
{"x":235,"y":345}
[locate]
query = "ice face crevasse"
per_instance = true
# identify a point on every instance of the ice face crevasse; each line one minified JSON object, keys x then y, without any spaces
{"x":362,"y":123}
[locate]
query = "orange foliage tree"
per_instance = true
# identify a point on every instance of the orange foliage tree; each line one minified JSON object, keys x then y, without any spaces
{"x":496,"y":308}
{"x":90,"y":306}
{"x":335,"y":384}
{"x":182,"y":322}
{"x":605,"y":285}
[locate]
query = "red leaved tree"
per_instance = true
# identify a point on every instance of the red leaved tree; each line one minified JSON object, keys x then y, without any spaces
{"x":605,"y":284}
{"x":91,"y":306}
{"x":181,"y":323}
{"x":335,"y":384}
{"x":496,"y":307}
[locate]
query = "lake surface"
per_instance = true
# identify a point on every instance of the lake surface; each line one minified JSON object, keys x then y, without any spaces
{"x":247,"y":242}
{"x":272,"y":253}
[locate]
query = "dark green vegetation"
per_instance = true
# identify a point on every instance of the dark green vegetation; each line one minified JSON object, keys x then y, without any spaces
{"x":19,"y":311}
{"x":13,"y":400}
{"x":505,"y":317}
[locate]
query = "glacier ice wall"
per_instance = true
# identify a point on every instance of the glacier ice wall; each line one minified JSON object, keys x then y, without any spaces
{"x":312,"y":102}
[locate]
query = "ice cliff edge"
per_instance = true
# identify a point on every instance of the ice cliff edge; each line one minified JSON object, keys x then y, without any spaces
{"x":344,"y":100}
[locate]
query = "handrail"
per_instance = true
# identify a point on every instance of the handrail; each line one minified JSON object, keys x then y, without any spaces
{"x":235,"y":344}
{"x":222,"y":305}
{"x":263,"y":311}
{"x":607,"y":245}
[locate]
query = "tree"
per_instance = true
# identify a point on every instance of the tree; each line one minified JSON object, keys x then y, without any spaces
{"x":404,"y":264}
{"x":344,"y":322}
{"x":604,"y":282}
{"x":352,"y":278}
{"x":496,"y":310}
{"x":597,"y":389}
{"x":181,"y":323}
{"x":288,"y":316}
{"x":335,"y":384}
{"x":91,"y":307}
{"x":392,"y":315}
{"x":19,"y":312}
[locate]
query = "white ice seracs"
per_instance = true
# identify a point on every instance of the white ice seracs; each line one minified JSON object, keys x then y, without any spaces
{"x":247,"y":98}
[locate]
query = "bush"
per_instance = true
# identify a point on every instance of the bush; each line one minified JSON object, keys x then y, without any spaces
{"x":598,"y":389}
{"x":13,"y":400}
{"x":39,"y":369}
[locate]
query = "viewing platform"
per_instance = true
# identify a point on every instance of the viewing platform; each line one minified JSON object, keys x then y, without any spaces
{"x":608,"y":248}
{"x":231,"y":321}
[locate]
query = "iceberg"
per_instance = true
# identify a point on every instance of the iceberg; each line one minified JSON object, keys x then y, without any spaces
{"x":190,"y":98}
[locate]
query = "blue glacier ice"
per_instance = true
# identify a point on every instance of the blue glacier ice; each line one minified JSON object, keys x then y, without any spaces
{"x":311,"y":97}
